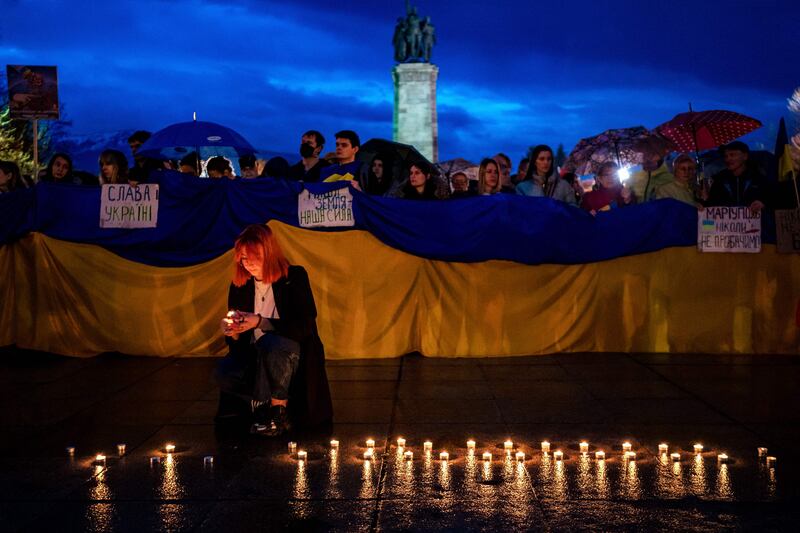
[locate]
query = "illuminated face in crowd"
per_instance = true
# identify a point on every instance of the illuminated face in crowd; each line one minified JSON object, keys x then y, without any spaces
{"x":249,"y":172}
{"x":651,"y":162}
{"x":608,"y":178}
{"x":134,"y":145}
{"x":416,"y":178}
{"x":60,"y":168}
{"x":735,"y":161}
{"x":109,"y":170}
{"x":544,"y":163}
{"x":253,"y":262}
{"x":311,"y":140}
{"x":377,"y":168}
{"x":5,"y":179}
{"x":504,"y":168}
{"x":460,"y":182}
{"x":522,"y":169}
{"x":345,"y":151}
{"x":492,"y":176}
{"x":685,"y":171}
{"x":188,"y":169}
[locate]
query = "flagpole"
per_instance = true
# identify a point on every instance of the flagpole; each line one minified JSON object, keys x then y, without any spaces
{"x":701,"y":175}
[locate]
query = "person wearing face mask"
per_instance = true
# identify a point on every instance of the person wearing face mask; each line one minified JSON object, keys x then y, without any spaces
{"x":310,"y":164}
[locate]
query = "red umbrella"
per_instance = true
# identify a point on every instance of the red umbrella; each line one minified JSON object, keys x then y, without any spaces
{"x":703,"y":130}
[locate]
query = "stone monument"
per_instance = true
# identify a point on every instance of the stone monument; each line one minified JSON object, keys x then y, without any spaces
{"x":414,"y":78}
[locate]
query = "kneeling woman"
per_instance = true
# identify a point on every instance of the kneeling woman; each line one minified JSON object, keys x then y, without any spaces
{"x":276,"y":360}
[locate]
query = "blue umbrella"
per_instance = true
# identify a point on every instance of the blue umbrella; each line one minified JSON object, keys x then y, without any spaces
{"x":206,"y":138}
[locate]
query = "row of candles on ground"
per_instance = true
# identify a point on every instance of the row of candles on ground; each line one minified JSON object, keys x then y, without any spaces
{"x":508,"y":446}
{"x":169,"y":448}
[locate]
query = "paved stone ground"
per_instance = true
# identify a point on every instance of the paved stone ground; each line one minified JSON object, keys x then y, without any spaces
{"x":729,"y":403}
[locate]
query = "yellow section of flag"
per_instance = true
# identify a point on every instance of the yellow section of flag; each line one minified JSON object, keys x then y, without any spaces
{"x":785,"y":164}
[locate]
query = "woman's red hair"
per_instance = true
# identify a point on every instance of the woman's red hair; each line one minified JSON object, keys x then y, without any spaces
{"x":257,"y":240}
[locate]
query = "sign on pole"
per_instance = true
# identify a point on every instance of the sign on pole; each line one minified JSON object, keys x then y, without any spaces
{"x":728,"y":230}
{"x":331,"y":209}
{"x":124,"y":206}
{"x":787,"y":227}
{"x":32,"y":92}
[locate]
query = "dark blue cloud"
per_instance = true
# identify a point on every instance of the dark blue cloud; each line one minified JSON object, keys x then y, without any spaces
{"x":512,"y":74}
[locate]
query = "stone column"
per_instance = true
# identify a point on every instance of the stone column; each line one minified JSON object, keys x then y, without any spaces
{"x":415,"y":119}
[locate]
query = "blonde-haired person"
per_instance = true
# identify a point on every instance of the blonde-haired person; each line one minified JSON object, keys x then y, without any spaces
{"x":113,"y":167}
{"x":488,"y":177}
{"x":275,"y":367}
{"x":685,"y":171}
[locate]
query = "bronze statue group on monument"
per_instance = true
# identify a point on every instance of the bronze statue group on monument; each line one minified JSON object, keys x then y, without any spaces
{"x":413,"y":38}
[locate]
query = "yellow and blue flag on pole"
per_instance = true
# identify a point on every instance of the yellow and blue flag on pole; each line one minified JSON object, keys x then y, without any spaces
{"x":783,"y":154}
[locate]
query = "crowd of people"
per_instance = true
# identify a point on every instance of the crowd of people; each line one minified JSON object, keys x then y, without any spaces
{"x":274,"y":374}
{"x":741,"y":183}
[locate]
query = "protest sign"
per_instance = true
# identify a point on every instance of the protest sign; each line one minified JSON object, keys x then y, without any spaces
{"x":787,"y":227}
{"x":124,"y":206}
{"x":728,"y":230}
{"x":32,"y":92}
{"x":331,"y":209}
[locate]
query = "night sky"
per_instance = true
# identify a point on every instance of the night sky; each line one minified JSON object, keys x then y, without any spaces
{"x":512,"y":74}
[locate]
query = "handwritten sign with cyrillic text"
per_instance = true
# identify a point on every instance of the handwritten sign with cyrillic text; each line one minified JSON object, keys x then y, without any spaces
{"x":728,"y":230}
{"x":123,"y":206}
{"x":330,"y":209}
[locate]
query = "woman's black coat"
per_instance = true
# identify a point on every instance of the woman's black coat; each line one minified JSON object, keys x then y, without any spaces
{"x":309,"y":395}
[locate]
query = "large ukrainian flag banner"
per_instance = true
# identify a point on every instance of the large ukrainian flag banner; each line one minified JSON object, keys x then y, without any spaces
{"x":474,"y":277}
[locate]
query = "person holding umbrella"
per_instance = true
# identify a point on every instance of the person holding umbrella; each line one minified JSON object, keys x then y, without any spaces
{"x":610,"y":193}
{"x":685,"y":171}
{"x":739,"y":184}
{"x":653,"y":175}
{"x":379,"y":175}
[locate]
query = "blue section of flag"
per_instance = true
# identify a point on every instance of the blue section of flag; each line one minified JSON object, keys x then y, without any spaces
{"x":199,"y":219}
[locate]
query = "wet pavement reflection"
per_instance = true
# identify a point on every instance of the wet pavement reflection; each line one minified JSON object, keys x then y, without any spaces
{"x":99,"y":516}
{"x":257,"y":484}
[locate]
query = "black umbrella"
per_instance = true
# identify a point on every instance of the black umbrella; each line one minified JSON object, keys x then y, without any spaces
{"x":398,"y":157}
{"x":403,"y":154}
